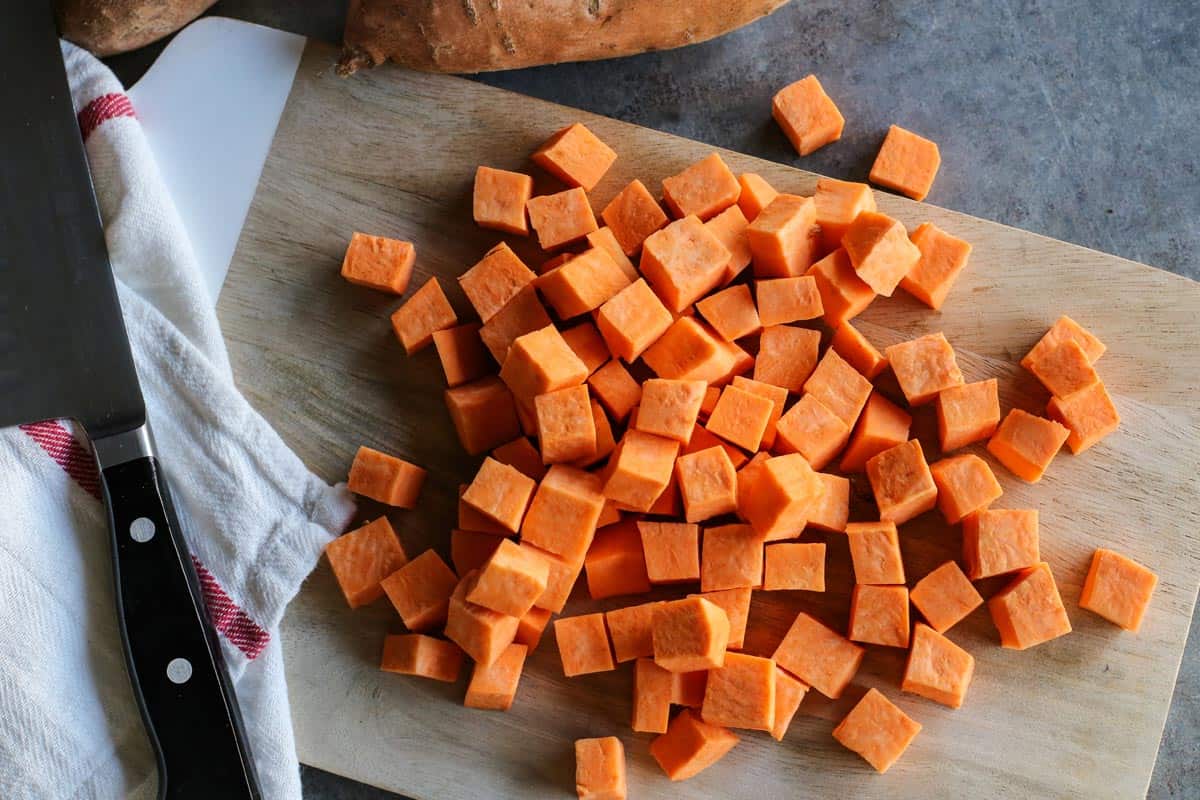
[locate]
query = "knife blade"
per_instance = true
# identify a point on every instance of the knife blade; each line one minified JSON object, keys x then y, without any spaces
{"x":64,"y":352}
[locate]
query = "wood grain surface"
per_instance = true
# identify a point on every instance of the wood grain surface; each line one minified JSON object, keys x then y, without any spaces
{"x":394,"y":153}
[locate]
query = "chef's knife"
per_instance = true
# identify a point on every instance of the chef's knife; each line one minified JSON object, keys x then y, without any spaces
{"x":64,"y":352}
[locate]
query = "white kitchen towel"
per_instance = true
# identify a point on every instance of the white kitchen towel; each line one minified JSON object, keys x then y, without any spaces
{"x":254,"y":517}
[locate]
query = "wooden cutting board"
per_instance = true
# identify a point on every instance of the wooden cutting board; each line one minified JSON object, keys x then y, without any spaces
{"x":394,"y":152}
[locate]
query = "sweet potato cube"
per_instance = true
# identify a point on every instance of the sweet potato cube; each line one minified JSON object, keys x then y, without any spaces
{"x":902,"y":483}
{"x":730,"y":229}
{"x":562,"y":218}
{"x":838,"y":204}
{"x":967,"y":413}
{"x":1029,"y":610}
{"x":687,"y":688}
{"x":877,"y":730}
{"x":585,"y":282}
{"x":784,"y":238}
{"x":423,"y":656}
{"x":616,"y":389}
{"x":776,"y":394}
{"x":1118,"y":589}
{"x":789,"y":692}
{"x":531,"y":627}
{"x":483,"y":634}
{"x":741,"y":417}
{"x":965,"y":484}
{"x":880,"y":251}
{"x":1063,"y":368}
{"x":385,"y":478}
{"x":494,"y":686}
{"x":1027,"y":444}
{"x":671,"y":551}
{"x":493,"y":282}
{"x":945,"y":596}
{"x":499,"y":200}
{"x":813,"y":431}
{"x":521,"y":315}
{"x":736,"y":605}
{"x":566,"y":428}
{"x":378,"y":262}
{"x":470,"y":550}
{"x":523,"y":456}
{"x":691,"y":746}
{"x":924,"y":367}
{"x":500,"y":493}
{"x":632,"y":631}
{"x":688,"y":351}
{"x":819,"y":656}
{"x":999,"y":541}
{"x":669,"y":407}
{"x":640,"y":470}
{"x":563,"y":575}
{"x":484,"y":414}
{"x":704,"y":189}
{"x":741,"y":693}
{"x":879,"y":615}
{"x":881,"y":425}
{"x":783,"y":300}
{"x":461,"y":353}
{"x":906,"y":163}
{"x":425,"y":311}
{"x":832,"y":510}
{"x":849,"y":343}
{"x":707,"y":484}
{"x":362,"y":558}
{"x":605,"y":442}
{"x":683,"y":262}
{"x":511,"y":580}
{"x":844,"y":295}
{"x":756,"y":194}
{"x":633,"y":215}
{"x":839,"y":387}
{"x":787,"y":356}
{"x":651,"y":696}
{"x":875,"y":552}
{"x":795,"y":565}
{"x":1066,"y":328}
{"x":541,"y":362}
{"x":808,"y":117}
{"x":586,"y":342}
{"x":575,"y":156}
{"x":689,"y":635}
{"x":564,"y":511}
{"x":942,"y":257}
{"x":583,"y":644}
{"x":615,"y":563}
{"x":732,"y":558}
{"x":1089,"y":415}
{"x":471,"y":520}
{"x":604,"y":239}
{"x":633,"y":320}
{"x":780,"y":496}
{"x":731,"y":312}
{"x":600,"y":768}
{"x":420,"y":591}
{"x":937,"y":668}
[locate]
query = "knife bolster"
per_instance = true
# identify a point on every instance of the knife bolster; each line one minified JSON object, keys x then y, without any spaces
{"x":123,"y":447}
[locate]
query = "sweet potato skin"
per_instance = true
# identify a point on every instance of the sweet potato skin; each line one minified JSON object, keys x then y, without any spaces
{"x":487,"y":35}
{"x":107,"y":27}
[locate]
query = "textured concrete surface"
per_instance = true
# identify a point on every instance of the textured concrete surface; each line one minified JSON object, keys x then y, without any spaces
{"x":1075,"y":120}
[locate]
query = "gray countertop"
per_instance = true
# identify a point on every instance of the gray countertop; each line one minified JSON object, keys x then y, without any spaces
{"x":1080,"y":121}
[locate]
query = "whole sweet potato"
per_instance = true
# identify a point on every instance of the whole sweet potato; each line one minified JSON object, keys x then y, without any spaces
{"x":487,"y":35}
{"x":107,"y":27}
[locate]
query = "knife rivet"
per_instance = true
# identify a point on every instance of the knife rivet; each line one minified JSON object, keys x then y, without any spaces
{"x":141,"y":529}
{"x":179,"y":670}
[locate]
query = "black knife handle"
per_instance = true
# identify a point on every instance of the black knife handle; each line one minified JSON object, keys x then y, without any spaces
{"x":171,"y":648}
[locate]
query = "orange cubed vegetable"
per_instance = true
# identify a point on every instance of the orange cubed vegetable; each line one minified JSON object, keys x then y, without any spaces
{"x":795,"y":565}
{"x":541,"y":362}
{"x":813,"y":431}
{"x":924,"y":367}
{"x":711,"y":395}
{"x":741,"y":417}
{"x":731,"y":312}
{"x":808,"y":117}
{"x":640,"y":469}
{"x":707,"y":484}
{"x":616,"y":389}
{"x":999,"y":541}
{"x":633,"y":215}
{"x":1027,"y":444}
{"x":564,"y":512}
{"x":881,"y":425}
{"x":907,"y":163}
{"x":945,"y":596}
{"x":704,"y":189}
{"x":690,"y":634}
{"x":521,"y":455}
{"x":423,"y":656}
{"x":877,"y":730}
{"x":844,"y":295}
{"x":967,"y":413}
{"x":839,"y":387}
{"x":499,"y":200}
{"x":494,"y":686}
{"x":531,"y":627}
{"x":688,"y":351}
{"x":563,"y":575}
{"x":500,"y":493}
{"x":1063,"y":368}
{"x":787,"y":356}
{"x":1118,"y":589}
{"x":691,"y":746}
{"x":779,"y":495}
{"x":632,"y":320}
{"x":942,"y":257}
{"x":683,"y":262}
{"x":672,"y":551}
{"x":789,"y":692}
{"x":741,"y":693}
{"x":420,"y":591}
{"x":379,"y":263}
{"x":425,"y":311}
{"x":880,"y":251}
{"x":819,"y":656}
{"x":937,"y":668}
{"x":731,"y":558}
{"x":511,"y":580}
{"x":776,"y":394}
{"x":1066,"y":328}
{"x":875,"y":552}
{"x":615,"y":563}
{"x":632,"y":631}
{"x":575,"y":156}
{"x":651,"y":696}
{"x":498,"y":277}
{"x":470,"y":550}
{"x":461,"y":353}
{"x":600,"y":769}
{"x":587,"y":343}
{"x":756,"y":195}
{"x":605,"y":443}
{"x":583,"y":283}
{"x":583,"y":644}
{"x":832,"y":510}
{"x":604,"y":239}
{"x":554,"y":262}
{"x":730,"y":229}
{"x":385,"y":478}
{"x":849,"y":343}
{"x":362,"y":558}
{"x":736,"y":605}
{"x":521,"y":315}
{"x":965,"y":484}
{"x":1029,"y":610}
{"x":484,"y":414}
{"x":483,"y":634}
{"x":838,"y":204}
{"x":1089,"y":415}
{"x":687,"y":688}
{"x":562,"y":218}
{"x":471,"y":520}
{"x":669,"y":407}
{"x":783,"y":300}
{"x":902,"y":483}
{"x":784,"y":237}
{"x":879,"y":615}
{"x":566,"y":427}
